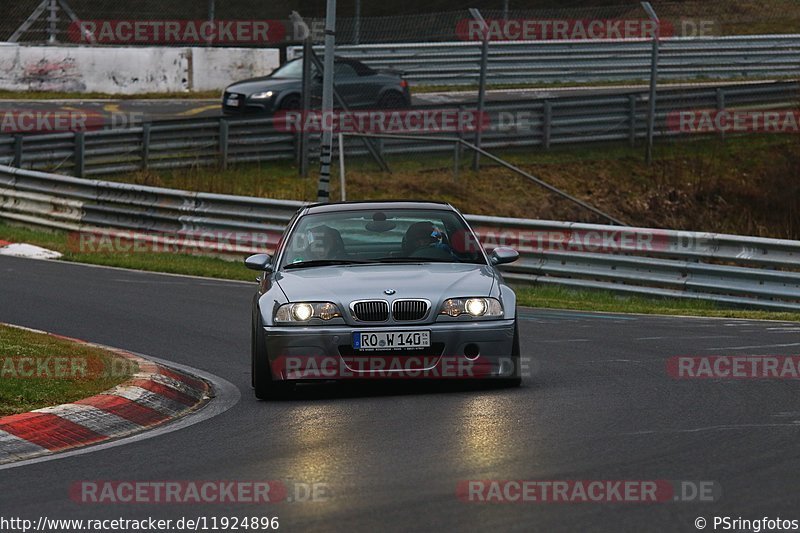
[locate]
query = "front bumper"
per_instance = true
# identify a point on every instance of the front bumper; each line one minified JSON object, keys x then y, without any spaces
{"x":468,"y":350}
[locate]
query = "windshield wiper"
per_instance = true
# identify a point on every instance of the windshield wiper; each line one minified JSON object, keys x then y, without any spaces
{"x":325,"y":262}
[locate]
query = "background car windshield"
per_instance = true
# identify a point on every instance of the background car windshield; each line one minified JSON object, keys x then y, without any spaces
{"x":384,"y":235}
{"x":292,"y":69}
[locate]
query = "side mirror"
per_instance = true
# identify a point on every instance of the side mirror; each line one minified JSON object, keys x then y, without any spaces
{"x":258,"y":262}
{"x":503,"y":255}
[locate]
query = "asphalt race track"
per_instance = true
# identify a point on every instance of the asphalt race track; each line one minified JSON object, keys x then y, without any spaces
{"x":601,"y":407}
{"x":132,"y":112}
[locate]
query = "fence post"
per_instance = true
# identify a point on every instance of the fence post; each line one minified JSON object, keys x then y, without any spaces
{"x":146,"y":145}
{"x":52,"y":28}
{"x":547,"y":124}
{"x":481,"y":82}
{"x":456,"y":159}
{"x":632,"y":120}
{"x":80,"y":153}
{"x":651,"y":115}
{"x":18,"y":141}
{"x":721,"y":105}
{"x":223,"y":143}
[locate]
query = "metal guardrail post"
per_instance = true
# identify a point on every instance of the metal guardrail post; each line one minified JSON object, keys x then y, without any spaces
{"x":651,"y":116}
{"x":456,"y":159}
{"x":19,"y":141}
{"x":304,"y":134}
{"x":476,"y":160}
{"x":146,"y":145}
{"x":755,"y":272}
{"x":721,"y":106}
{"x":80,"y":154}
{"x":547,"y":124}
{"x":224,"y":129}
{"x":632,"y":120}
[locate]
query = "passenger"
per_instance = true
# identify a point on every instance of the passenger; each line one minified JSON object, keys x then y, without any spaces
{"x":325,"y":242}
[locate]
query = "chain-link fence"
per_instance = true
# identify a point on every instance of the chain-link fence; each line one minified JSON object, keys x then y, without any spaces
{"x":531,"y":84}
{"x":359,"y":22}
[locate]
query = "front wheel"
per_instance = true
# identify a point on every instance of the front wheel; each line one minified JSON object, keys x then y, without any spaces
{"x":392,"y":100}
{"x":290,"y":103}
{"x":516,"y":380}
{"x":264,"y":386}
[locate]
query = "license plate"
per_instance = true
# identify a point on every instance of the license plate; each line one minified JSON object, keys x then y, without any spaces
{"x":233,"y":102}
{"x":391,"y":340}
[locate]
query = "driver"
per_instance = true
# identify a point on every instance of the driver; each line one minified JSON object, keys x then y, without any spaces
{"x":423,"y":239}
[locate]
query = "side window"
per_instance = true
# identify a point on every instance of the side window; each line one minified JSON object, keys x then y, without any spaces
{"x":343,"y":71}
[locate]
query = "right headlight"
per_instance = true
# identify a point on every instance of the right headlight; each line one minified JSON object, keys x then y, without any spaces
{"x":263,"y":95}
{"x":302,"y":312}
{"x":472,"y":307}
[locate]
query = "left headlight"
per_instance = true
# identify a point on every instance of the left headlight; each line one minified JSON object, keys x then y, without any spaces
{"x":305,"y":311}
{"x":472,"y":307}
{"x":262,"y":95}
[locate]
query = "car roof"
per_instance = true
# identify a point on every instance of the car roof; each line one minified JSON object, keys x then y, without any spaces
{"x":377,"y":205}
{"x":361,"y":68}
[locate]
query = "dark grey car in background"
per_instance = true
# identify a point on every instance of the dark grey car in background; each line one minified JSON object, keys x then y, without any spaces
{"x":381,"y":290}
{"x":358,"y":85}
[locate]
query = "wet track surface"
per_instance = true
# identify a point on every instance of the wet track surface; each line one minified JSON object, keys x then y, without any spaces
{"x":133,"y":112}
{"x":600,"y":406}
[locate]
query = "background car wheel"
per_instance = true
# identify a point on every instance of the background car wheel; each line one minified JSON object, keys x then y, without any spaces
{"x":265,"y":388}
{"x":291,"y":103}
{"x":392,"y":100}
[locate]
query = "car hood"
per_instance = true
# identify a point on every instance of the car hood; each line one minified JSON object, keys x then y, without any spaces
{"x":262,"y":84}
{"x":343,"y":284}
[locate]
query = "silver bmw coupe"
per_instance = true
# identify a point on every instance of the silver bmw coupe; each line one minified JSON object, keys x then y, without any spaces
{"x":381,"y":290}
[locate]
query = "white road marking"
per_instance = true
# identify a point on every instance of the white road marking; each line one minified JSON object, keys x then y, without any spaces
{"x":754,"y":346}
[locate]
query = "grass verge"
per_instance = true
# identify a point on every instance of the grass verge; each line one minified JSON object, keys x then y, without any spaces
{"x":61,"y":371}
{"x":536,"y":296}
{"x":741,"y":184}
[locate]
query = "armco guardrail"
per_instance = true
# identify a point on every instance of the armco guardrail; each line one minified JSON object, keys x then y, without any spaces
{"x":680,"y":58}
{"x":222,"y":141}
{"x":743,"y":271}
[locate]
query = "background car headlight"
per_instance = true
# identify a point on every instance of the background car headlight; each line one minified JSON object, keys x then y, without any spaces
{"x":474,"y":307}
{"x":262,"y":95}
{"x":305,"y":311}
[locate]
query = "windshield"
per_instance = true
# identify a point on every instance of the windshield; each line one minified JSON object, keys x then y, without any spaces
{"x":384,"y":236}
{"x":292,"y":69}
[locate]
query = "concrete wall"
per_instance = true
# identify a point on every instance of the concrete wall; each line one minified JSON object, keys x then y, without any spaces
{"x":129,"y":70}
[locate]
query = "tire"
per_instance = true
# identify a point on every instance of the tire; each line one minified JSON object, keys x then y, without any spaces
{"x":263,"y":385}
{"x":515,"y":381}
{"x":290,"y":103}
{"x":392,"y":100}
